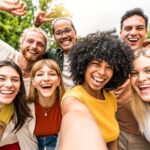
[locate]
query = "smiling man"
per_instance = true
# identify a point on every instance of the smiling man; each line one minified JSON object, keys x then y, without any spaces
{"x":65,"y":36}
{"x":33,"y":44}
{"x":134,"y":28}
{"x":133,"y":31}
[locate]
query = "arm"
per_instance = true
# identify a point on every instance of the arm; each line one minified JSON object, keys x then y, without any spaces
{"x":42,"y":17}
{"x":79,"y":130}
{"x":13,"y":7}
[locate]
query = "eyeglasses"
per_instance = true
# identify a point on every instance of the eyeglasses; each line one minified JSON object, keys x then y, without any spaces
{"x":66,"y":31}
{"x":145,"y":53}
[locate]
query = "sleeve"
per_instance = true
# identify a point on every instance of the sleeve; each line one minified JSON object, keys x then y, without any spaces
{"x":6,"y":51}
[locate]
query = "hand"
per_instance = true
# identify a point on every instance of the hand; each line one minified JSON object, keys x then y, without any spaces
{"x":42,"y":17}
{"x":13,"y":7}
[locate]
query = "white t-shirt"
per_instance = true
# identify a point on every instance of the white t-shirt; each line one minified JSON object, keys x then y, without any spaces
{"x":66,"y":75}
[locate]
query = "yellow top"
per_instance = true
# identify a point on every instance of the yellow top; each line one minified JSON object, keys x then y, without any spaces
{"x":6,"y":113}
{"x":103,"y":110}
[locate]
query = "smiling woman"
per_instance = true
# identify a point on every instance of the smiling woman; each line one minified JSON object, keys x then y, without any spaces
{"x":46,"y":89}
{"x":140,"y":81}
{"x":99,"y":63}
{"x":12,"y":99}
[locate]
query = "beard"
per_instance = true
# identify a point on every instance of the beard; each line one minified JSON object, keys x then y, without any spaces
{"x":31,"y":57}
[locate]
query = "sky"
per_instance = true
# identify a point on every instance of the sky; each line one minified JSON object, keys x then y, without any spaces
{"x":92,"y":15}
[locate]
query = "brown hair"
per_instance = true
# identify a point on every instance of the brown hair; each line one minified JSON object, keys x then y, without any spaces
{"x":33,"y":94}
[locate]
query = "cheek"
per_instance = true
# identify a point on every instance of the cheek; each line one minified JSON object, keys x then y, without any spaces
{"x":133,"y":83}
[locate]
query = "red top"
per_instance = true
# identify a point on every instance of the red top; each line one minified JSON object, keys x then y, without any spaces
{"x":47,"y":120}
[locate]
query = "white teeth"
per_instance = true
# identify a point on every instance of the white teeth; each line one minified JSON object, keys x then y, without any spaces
{"x":133,"y":39}
{"x":6,"y":92}
{"x":144,"y":86}
{"x":46,"y":86}
{"x":66,"y":42}
{"x":98,"y":79}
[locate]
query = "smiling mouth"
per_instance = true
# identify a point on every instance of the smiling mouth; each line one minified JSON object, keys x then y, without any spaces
{"x":6,"y":92}
{"x":144,"y":89}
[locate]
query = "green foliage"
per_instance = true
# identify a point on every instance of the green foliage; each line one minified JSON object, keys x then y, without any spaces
{"x":12,"y":26}
{"x":148,"y":32}
{"x":44,"y":4}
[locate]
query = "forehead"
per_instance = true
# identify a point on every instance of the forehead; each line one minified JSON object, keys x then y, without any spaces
{"x":35,"y":35}
{"x":46,"y":68}
{"x":134,"y":21}
{"x":5,"y":70}
{"x":61,"y":24}
{"x":141,"y":62}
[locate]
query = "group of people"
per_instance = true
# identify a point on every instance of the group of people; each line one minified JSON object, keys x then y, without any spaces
{"x":90,"y":93}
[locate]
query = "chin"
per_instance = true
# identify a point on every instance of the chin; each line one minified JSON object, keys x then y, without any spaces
{"x":145,"y":98}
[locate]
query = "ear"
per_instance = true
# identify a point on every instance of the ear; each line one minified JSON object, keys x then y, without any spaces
{"x":33,"y":83}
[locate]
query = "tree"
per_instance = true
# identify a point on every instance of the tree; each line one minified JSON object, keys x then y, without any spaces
{"x":12,"y":26}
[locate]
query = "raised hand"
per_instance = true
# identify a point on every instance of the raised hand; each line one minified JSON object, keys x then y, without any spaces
{"x":42,"y":17}
{"x":16,"y":7}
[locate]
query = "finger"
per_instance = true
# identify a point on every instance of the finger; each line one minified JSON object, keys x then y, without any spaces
{"x":17,"y":13}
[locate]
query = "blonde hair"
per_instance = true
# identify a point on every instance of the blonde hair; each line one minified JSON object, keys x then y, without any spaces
{"x":33,"y":93}
{"x":40,"y":30}
{"x":139,"y":107}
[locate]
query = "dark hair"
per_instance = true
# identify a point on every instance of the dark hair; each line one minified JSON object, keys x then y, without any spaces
{"x":101,"y":46}
{"x":22,"y":111}
{"x":133,"y":12}
{"x":63,"y":18}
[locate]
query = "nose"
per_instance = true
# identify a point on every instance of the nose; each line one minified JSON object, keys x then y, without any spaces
{"x":46,"y":77}
{"x":101,"y":71}
{"x":142,"y":77}
{"x":34,"y":45}
{"x":133,"y":31}
{"x":64,"y":34}
{"x":8,"y":83}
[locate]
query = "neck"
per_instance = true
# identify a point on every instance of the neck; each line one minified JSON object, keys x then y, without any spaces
{"x":96,"y":94}
{"x":25,"y":66}
{"x":47,"y":102}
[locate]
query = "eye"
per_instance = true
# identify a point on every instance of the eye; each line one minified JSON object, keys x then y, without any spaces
{"x":58,"y":33}
{"x":2,"y":79}
{"x":147,"y":71}
{"x":30,"y":41}
{"x":128,"y":28}
{"x":140,"y":28}
{"x":15,"y":80}
{"x":134,"y":73}
{"x":67,"y":30}
{"x":41,"y":44}
{"x":52,"y":73}
{"x":39,"y":74}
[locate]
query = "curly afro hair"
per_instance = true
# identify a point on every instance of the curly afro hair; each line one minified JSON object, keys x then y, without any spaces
{"x":101,"y":46}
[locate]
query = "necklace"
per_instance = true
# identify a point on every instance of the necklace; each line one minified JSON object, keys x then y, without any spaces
{"x":46,"y":112}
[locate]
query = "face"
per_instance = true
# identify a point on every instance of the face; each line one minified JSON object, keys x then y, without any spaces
{"x":46,"y":81}
{"x":97,"y":75}
{"x":9,"y":85}
{"x":65,"y":35}
{"x":33,"y":46}
{"x":134,"y":31}
{"x":140,"y":77}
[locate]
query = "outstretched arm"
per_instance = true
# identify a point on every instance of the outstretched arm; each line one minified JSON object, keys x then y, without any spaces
{"x":79,"y":130}
{"x":16,"y":7}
